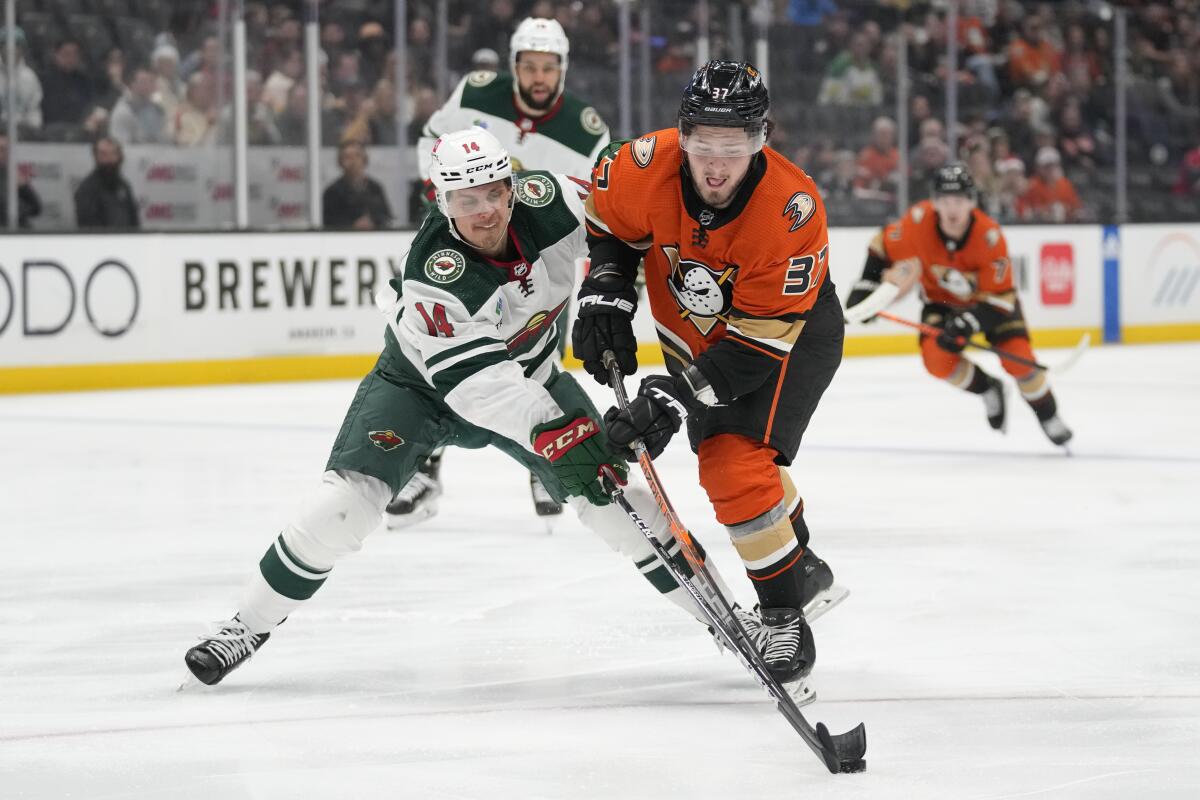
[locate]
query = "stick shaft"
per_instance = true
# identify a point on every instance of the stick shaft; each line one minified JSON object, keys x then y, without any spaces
{"x":930,"y":330}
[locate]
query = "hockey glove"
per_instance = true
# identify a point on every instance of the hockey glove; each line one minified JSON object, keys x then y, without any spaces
{"x":654,"y":416}
{"x":571,"y":445}
{"x":957,"y":331}
{"x":861,"y":291}
{"x":604,"y":321}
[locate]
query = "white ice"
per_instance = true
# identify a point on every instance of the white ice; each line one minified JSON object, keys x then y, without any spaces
{"x":1021,"y":623}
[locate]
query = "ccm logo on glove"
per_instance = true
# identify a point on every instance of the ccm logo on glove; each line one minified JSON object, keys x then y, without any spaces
{"x":553,"y":444}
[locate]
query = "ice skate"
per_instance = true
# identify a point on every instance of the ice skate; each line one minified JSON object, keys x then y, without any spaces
{"x":417,"y":501}
{"x":752,"y":624}
{"x":224,"y":651}
{"x":789,"y":651}
{"x":1056,"y":430}
{"x":995,"y":404}
{"x":819,"y":593}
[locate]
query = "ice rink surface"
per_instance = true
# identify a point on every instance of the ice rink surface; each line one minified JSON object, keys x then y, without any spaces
{"x":1021,"y":624}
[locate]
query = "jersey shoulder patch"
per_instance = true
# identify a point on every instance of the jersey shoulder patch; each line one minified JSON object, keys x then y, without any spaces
{"x":590,"y":119}
{"x":642,"y":150}
{"x":535,"y":189}
{"x":445,"y":266}
{"x":480,"y":77}
{"x":800,"y":208}
{"x":443,"y":263}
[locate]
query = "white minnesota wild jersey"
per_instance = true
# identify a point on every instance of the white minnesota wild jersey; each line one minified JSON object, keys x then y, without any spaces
{"x":482,"y":334}
{"x":566,"y":140}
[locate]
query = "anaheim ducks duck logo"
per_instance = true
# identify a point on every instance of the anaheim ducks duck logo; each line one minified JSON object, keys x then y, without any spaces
{"x":800,"y":208}
{"x":704,"y":293}
{"x":953,"y":281}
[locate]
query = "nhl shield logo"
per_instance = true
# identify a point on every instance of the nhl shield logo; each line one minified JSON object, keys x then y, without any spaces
{"x":385,"y":440}
{"x":445,"y":266}
{"x":535,"y":190}
{"x":800,"y":208}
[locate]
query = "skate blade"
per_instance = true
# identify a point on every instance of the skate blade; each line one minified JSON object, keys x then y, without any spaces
{"x":190,"y":684}
{"x":824,"y":601}
{"x":398,"y":522}
{"x":801,"y":692}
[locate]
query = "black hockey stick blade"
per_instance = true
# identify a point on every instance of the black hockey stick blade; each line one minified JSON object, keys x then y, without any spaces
{"x":844,"y":751}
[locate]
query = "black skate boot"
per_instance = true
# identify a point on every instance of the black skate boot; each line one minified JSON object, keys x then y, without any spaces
{"x":417,"y":501}
{"x":221,"y":653}
{"x":789,"y":650}
{"x":995,"y":404}
{"x":543,"y":503}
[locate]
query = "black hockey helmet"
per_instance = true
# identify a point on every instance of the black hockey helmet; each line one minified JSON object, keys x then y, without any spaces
{"x":954,"y":178}
{"x":725,"y":94}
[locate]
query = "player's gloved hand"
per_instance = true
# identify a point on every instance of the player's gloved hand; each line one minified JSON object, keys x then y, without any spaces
{"x":654,"y":416}
{"x":571,"y":445}
{"x":607,"y":302}
{"x":861,"y":291}
{"x":957,"y":331}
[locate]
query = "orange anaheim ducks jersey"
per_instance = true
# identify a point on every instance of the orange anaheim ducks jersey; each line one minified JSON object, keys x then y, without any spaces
{"x":748,"y":272}
{"x":958,"y":274}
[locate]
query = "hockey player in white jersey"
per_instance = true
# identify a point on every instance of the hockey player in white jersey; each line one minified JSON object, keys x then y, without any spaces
{"x":469,"y":359}
{"x":542,"y":126}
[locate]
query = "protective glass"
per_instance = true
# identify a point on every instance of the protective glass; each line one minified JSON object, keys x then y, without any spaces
{"x":713,"y":142}
{"x":472,"y":200}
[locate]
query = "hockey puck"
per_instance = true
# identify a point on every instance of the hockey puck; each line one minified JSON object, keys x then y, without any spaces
{"x":857,"y":765}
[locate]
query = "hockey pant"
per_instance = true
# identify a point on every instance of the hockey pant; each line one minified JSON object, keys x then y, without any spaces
{"x":347,"y":506}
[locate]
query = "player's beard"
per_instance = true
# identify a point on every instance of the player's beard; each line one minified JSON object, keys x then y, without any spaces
{"x":528,"y":100}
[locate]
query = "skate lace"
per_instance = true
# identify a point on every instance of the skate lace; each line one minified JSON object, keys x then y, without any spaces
{"x":231,"y":643}
{"x":417,"y":484}
{"x":753,"y":625}
{"x":782,"y":642}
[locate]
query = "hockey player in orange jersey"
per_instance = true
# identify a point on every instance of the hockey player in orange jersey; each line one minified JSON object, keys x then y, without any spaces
{"x":959,"y":256}
{"x":736,"y":254}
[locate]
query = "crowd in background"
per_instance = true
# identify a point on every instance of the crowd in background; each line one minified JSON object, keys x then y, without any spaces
{"x":1036,"y":121}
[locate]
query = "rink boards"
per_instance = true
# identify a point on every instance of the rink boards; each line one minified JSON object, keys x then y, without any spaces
{"x":83,"y":311}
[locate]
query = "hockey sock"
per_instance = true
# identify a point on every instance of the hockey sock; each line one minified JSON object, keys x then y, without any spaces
{"x":771,"y":553}
{"x":979,"y":382}
{"x":1045,"y":406}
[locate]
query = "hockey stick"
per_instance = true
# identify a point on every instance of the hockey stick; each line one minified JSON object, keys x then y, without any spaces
{"x":840,"y":752}
{"x":930,"y":330}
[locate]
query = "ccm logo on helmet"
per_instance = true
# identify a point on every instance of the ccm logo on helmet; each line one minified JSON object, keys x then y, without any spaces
{"x":553,"y":444}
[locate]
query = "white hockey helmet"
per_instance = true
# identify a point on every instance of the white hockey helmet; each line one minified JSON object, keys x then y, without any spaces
{"x":541,"y":36}
{"x":470,"y":157}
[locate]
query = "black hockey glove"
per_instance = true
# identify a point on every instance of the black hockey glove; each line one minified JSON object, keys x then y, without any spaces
{"x":861,"y":291}
{"x":607,"y":302}
{"x":957,"y":331}
{"x":654,"y":416}
{"x":571,"y":446}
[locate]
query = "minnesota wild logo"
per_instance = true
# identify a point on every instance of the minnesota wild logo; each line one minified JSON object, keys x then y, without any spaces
{"x":445,"y":266}
{"x":535,"y":190}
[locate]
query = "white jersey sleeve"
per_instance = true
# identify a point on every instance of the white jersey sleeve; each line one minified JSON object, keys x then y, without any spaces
{"x":469,"y":364}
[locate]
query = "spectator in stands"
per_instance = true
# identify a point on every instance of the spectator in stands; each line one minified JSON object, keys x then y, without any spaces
{"x":69,"y":96}
{"x":345,"y":70}
{"x":333,"y":38}
{"x":1179,"y":89}
{"x":931,"y":155}
{"x":1050,"y":196}
{"x":29,"y":88}
{"x":485,"y":59}
{"x":423,"y":102}
{"x":168,"y":91}
{"x":260,"y":122}
{"x":355,"y":201}
{"x":348,"y":116}
{"x":373,"y":47}
{"x":919,"y":110}
{"x":205,"y":60}
{"x":838,"y":182}
{"x":29,"y":205}
{"x":383,"y":113}
{"x":987,"y":183}
{"x":809,"y":13}
{"x":293,"y":122}
{"x":1032,"y":59}
{"x":851,"y":78}
{"x":195,"y":120}
{"x":1011,"y":186}
{"x":137,"y":118}
{"x":110,"y":86}
{"x":1076,"y":143}
{"x":1188,"y":182}
{"x":280,"y":82}
{"x":878,"y":162}
{"x":1023,"y":124}
{"x":104,"y":198}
